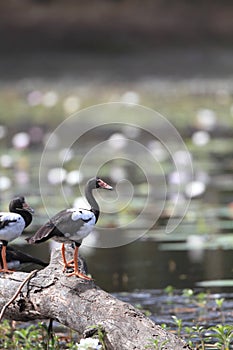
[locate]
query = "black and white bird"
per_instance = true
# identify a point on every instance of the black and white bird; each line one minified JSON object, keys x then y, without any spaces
{"x":72,"y":225}
{"x":12,"y":224}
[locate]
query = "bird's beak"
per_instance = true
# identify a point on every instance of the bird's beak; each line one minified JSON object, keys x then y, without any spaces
{"x":28,"y":208}
{"x":104,"y":185}
{"x":108,"y":187}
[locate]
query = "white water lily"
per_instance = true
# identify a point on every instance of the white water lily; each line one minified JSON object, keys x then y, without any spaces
{"x":89,"y":344}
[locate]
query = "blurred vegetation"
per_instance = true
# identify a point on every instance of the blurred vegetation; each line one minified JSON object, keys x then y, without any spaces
{"x":179,"y":106}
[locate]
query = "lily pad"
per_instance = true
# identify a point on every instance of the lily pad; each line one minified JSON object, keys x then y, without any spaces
{"x":215,"y":283}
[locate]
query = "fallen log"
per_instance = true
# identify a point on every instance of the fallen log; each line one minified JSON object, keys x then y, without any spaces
{"x":79,"y":304}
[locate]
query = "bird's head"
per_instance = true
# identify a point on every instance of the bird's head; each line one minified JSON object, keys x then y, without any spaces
{"x":101,"y":184}
{"x":19,"y":203}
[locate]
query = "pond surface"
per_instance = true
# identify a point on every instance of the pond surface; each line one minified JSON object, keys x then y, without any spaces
{"x":152,"y":265}
{"x":199,"y":308}
{"x":191,"y":314}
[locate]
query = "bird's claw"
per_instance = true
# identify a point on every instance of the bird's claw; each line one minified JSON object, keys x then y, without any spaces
{"x":80,"y":275}
{"x":70,"y":262}
{"x":66,"y":265}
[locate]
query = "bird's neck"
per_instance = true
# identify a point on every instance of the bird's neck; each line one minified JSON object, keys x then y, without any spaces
{"x":25,"y":215}
{"x":91,"y":200}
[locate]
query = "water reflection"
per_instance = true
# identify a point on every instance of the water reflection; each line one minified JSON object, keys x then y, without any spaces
{"x":143,"y":264}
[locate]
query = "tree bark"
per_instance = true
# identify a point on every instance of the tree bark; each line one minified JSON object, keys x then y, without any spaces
{"x":79,"y":304}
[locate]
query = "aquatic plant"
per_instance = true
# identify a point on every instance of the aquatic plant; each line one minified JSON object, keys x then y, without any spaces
{"x":219,"y":303}
{"x":224,"y":334}
{"x":179,"y":324}
{"x":157,"y":345}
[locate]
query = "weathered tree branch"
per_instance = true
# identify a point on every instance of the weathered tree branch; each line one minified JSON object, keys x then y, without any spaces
{"x":79,"y":304}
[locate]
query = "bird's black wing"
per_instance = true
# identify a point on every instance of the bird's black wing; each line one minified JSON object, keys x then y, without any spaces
{"x":6,"y":222}
{"x":50,"y":228}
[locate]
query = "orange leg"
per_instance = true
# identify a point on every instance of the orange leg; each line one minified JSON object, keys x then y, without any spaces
{"x":76,"y":269}
{"x":70,"y":263}
{"x":4,"y":263}
{"x":63,"y":254}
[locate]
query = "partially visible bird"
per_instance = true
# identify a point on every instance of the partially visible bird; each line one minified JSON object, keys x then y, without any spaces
{"x":73,"y":225}
{"x":12,"y":224}
{"x":15,"y":258}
